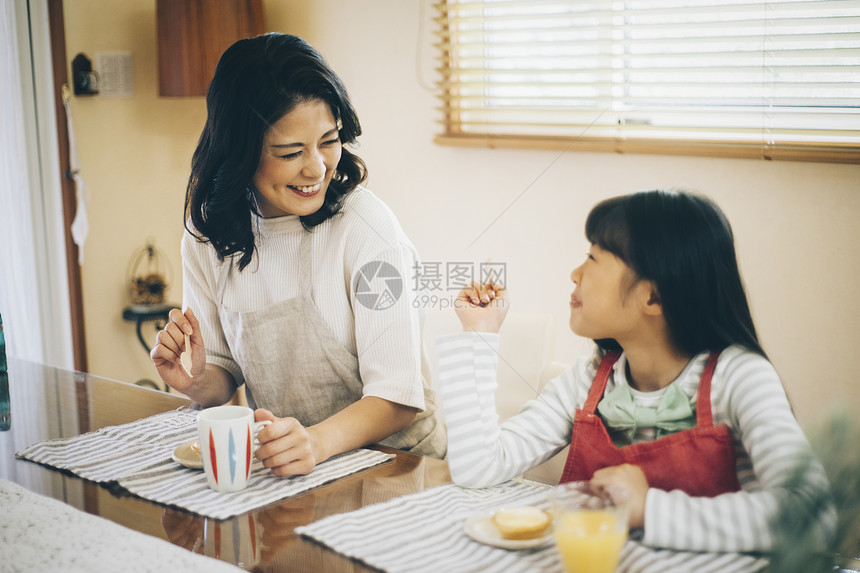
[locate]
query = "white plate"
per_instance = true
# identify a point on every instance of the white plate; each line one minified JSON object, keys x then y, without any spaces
{"x":185,"y":455}
{"x":480,"y":528}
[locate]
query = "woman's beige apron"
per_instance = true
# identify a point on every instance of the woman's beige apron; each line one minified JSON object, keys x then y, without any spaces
{"x":294,"y":366}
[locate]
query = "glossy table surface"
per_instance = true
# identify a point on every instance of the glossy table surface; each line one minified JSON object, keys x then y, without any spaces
{"x":49,"y":402}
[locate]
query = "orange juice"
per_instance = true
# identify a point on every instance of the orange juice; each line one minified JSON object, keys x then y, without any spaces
{"x":589,"y":541}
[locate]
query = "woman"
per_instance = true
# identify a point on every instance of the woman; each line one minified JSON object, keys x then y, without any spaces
{"x":281,"y":238}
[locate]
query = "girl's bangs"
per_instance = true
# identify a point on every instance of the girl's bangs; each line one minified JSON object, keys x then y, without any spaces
{"x":608,"y":228}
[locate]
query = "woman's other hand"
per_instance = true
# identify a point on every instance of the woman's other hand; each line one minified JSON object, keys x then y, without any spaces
{"x":631,"y":478}
{"x":286,"y":447}
{"x":482,"y":307}
{"x":170,"y":344}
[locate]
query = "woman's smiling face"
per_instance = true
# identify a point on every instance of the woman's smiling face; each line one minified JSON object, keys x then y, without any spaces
{"x":299,"y":158}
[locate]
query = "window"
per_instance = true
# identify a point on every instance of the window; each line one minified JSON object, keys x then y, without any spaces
{"x":777,"y":79}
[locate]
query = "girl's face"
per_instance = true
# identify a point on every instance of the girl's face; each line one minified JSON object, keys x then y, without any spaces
{"x":604,"y":302}
{"x":300,"y":154}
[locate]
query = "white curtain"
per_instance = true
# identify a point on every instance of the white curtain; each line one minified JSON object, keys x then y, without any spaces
{"x":34,"y":300}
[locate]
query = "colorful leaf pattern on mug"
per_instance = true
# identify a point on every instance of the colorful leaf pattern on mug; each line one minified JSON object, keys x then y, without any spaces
{"x":231,"y":454}
{"x":213,"y":458}
{"x":248,"y":454}
{"x":231,"y":449}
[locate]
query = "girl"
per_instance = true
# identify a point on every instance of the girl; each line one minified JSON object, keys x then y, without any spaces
{"x":679,"y":404}
{"x":279,"y":234}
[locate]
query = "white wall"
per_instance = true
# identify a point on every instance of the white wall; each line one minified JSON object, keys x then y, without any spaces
{"x":798,"y":243}
{"x":795,"y":223}
{"x":135,"y":156}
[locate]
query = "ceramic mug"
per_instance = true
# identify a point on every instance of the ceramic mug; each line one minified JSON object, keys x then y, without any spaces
{"x":228,"y":438}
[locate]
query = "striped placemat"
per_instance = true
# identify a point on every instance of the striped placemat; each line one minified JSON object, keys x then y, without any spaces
{"x":137,"y":456}
{"x":424,"y":532}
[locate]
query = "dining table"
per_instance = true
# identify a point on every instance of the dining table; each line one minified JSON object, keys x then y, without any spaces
{"x":48,"y":403}
{"x":118,"y":504}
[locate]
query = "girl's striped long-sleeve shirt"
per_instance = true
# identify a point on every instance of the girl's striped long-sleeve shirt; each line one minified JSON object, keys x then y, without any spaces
{"x":774,"y":461}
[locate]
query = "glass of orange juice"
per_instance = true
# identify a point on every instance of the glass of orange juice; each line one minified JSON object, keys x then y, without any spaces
{"x":590,"y":528}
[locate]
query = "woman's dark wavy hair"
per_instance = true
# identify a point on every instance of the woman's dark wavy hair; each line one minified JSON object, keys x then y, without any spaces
{"x":684,"y":244}
{"x":256,"y":82}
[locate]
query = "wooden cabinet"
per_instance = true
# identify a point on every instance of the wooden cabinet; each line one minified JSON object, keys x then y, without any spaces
{"x":192,"y":35}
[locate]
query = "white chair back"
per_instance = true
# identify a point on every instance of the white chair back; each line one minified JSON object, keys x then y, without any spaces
{"x":527,"y":343}
{"x":525,"y":365}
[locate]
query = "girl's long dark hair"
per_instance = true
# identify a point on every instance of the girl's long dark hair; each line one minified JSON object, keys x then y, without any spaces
{"x":256,"y":82}
{"x":684,"y":244}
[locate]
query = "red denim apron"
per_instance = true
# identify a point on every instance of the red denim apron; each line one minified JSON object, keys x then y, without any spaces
{"x":699,"y":461}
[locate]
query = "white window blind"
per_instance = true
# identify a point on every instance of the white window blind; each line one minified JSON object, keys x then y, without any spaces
{"x":774,"y":79}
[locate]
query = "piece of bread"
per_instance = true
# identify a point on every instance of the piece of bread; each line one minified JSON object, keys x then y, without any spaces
{"x":524,"y":522}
